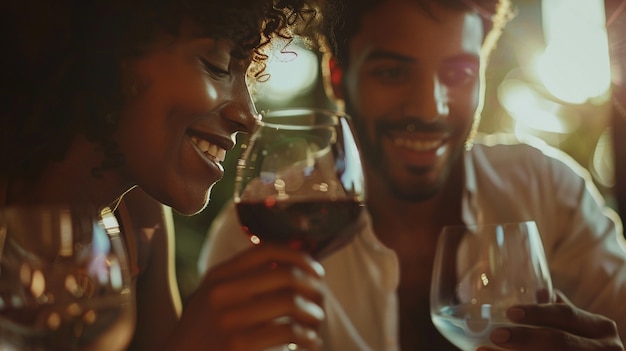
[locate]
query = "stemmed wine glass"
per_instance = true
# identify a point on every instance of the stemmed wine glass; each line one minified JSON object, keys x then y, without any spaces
{"x":300,"y":181}
{"x":481,"y":270}
{"x":64,"y":280}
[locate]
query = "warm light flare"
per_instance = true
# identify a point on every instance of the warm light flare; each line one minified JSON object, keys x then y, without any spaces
{"x":292,"y":71}
{"x":575,"y":65}
{"x":527,"y":107}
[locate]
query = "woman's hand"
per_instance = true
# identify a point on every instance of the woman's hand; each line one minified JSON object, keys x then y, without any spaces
{"x":267,"y":296}
{"x":558,"y":326}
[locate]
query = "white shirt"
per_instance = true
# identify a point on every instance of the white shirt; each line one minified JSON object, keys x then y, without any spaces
{"x":582,"y":238}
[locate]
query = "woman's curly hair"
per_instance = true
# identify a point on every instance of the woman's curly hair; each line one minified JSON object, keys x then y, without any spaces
{"x":61,"y":67}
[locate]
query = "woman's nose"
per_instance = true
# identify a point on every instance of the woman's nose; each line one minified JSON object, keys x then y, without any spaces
{"x":242,"y":113}
{"x":428,"y":101}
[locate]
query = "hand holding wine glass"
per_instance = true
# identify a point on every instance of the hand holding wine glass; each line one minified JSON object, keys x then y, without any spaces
{"x":64,"y":280}
{"x":300,"y":181}
{"x":479,"y":272}
{"x":300,"y":184}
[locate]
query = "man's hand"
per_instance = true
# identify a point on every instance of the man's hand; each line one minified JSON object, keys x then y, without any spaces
{"x":558,"y":326}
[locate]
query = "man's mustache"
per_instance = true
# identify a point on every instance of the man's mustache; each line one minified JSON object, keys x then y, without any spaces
{"x":411,"y":125}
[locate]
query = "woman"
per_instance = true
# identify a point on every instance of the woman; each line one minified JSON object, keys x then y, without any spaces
{"x":129,"y":105}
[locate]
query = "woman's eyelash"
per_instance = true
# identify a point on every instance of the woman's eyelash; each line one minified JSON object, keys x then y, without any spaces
{"x":212,"y":69}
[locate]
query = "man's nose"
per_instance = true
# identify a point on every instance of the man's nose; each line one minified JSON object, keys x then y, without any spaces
{"x":428,"y":100}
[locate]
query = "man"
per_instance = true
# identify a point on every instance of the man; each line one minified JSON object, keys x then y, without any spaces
{"x":410,"y":74}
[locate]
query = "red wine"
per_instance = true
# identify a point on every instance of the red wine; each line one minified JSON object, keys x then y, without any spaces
{"x":319,"y":227}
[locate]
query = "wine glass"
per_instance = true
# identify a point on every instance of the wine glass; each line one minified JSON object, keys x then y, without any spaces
{"x":64,"y":280}
{"x":481,"y":270}
{"x":300,"y":181}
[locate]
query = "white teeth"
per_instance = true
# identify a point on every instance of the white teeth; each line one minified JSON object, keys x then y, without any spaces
{"x":418,"y":145}
{"x":221,"y":154}
{"x":212,"y":149}
{"x":209,"y":149}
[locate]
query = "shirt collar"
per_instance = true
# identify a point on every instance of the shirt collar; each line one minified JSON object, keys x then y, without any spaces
{"x":470,"y":199}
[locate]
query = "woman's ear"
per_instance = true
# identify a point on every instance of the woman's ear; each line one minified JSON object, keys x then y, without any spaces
{"x":333,"y":77}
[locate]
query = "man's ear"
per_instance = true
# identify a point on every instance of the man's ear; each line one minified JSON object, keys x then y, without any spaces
{"x":333,"y":77}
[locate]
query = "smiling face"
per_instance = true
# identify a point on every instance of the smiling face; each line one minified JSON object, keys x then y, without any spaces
{"x":192,"y":99}
{"x":413,"y":86}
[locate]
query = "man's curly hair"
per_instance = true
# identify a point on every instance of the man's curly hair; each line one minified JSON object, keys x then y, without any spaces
{"x":61,"y":68}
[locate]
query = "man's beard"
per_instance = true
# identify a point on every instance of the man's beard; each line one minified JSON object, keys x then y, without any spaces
{"x":375,"y":160}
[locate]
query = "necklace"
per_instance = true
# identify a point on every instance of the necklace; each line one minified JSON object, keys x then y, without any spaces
{"x":115,"y":204}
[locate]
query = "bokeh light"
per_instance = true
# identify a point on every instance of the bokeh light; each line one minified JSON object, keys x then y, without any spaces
{"x":527,"y":106}
{"x":575,"y":65}
{"x":292,"y":70}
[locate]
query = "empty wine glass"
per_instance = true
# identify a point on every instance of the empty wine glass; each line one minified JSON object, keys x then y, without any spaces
{"x":479,"y":272}
{"x":300,"y":181}
{"x":64,"y":280}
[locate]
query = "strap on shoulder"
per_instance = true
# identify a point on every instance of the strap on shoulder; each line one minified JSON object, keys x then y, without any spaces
{"x":130,"y":237}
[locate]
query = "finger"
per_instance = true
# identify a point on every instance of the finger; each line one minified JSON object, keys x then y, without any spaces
{"x":548,"y":339}
{"x":266,"y":255}
{"x":284,"y":306}
{"x":272,"y":335}
{"x":248,"y":286}
{"x":564,"y":316}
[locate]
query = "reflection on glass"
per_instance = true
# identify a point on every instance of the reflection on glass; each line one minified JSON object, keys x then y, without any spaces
{"x":64,"y":281}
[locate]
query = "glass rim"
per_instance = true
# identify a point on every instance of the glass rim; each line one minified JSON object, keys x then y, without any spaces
{"x":488,"y":225}
{"x":276,"y":114}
